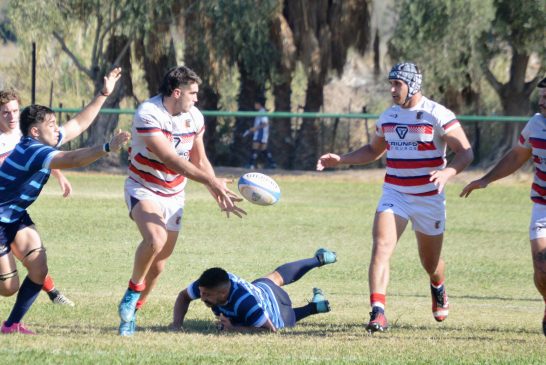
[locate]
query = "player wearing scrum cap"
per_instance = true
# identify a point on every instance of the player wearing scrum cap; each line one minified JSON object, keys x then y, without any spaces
{"x":532,"y":143}
{"x":414,"y":133}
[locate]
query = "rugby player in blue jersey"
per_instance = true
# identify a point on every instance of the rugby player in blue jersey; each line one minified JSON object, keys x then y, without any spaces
{"x":22,"y":176}
{"x":256,"y":306}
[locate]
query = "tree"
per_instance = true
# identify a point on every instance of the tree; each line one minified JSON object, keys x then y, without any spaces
{"x":323,"y":33}
{"x":456,"y":42}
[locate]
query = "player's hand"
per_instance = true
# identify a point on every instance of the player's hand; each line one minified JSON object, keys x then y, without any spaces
{"x":65,"y":185}
{"x":440,"y":177}
{"x":224,"y":323}
{"x":225,"y":198}
{"x":328,"y":160}
{"x":476,"y":184}
{"x":110,"y":81}
{"x":119,"y":139}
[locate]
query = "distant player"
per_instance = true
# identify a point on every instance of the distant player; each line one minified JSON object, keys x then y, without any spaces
{"x":167,"y":149}
{"x":260,"y":137}
{"x":414,"y":133}
{"x":10,"y":135}
{"x":22,"y":177}
{"x":259,"y":305}
{"x":532,"y":144}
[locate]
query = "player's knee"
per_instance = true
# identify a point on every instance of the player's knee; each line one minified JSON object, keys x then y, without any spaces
{"x":539,"y":262}
{"x":9,"y":283}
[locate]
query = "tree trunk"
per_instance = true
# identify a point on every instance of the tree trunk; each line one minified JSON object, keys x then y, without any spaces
{"x":307,"y":140}
{"x":281,"y":141}
{"x":249,"y":90}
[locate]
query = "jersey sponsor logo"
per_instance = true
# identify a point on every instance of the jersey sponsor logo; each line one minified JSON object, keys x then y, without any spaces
{"x":419,"y":115}
{"x":390,"y":205}
{"x":401,"y":130}
{"x":393,"y":115}
{"x":437,"y":224}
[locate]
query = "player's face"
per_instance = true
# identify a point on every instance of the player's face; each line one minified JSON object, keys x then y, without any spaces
{"x":212,"y":297}
{"x":9,"y":116}
{"x":542,"y":101}
{"x":399,"y":91}
{"x":46,"y":132}
{"x":187,"y":97}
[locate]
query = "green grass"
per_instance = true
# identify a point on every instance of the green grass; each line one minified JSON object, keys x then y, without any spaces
{"x":495,"y":315}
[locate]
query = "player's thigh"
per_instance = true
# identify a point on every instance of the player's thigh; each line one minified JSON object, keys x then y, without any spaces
{"x":387,"y":229}
{"x":150,"y":221}
{"x":9,"y":279}
{"x":27,"y":247}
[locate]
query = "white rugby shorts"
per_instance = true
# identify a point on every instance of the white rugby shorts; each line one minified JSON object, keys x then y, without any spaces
{"x":172,"y":207}
{"x":426,"y":213}
{"x":537,"y":228}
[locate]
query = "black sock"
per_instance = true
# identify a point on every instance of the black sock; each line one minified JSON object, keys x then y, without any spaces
{"x":305,"y":311}
{"x":28,"y":292}
{"x":293,"y":271}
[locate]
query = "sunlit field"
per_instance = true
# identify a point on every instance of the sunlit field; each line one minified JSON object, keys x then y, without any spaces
{"x":495,"y":315}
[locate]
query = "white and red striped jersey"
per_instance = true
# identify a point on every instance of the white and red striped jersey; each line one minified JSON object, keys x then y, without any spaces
{"x":8,"y":142}
{"x":414,"y":144}
{"x":533,"y":137}
{"x":151,"y":118}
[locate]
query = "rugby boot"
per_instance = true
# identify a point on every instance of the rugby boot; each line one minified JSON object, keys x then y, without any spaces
{"x":127,"y":306}
{"x":440,"y":303}
{"x":323,"y":306}
{"x":16,"y":328}
{"x":59,"y":298}
{"x":378,"y":321}
{"x":326,"y":256}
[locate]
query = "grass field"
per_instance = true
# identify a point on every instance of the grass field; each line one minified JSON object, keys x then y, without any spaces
{"x":495,"y":314}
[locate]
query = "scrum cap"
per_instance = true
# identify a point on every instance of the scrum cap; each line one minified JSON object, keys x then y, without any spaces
{"x":410,"y":74}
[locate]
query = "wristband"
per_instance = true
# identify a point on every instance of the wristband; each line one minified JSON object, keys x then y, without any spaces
{"x":106,"y":147}
{"x":104,"y":94}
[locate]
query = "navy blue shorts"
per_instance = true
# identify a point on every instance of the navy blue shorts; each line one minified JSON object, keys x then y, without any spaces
{"x":9,"y":230}
{"x":283,"y":300}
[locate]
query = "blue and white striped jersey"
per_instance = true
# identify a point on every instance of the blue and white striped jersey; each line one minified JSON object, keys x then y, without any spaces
{"x":23,"y":175}
{"x":248,"y":304}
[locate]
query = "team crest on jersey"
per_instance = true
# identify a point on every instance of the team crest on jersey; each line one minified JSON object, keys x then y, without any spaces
{"x":437,"y":224}
{"x":187,"y":123}
{"x":401,"y":130}
{"x":419,"y":115}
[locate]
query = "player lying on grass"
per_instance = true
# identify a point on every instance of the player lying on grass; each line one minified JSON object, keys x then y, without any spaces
{"x":22,"y":177}
{"x":259,"y":305}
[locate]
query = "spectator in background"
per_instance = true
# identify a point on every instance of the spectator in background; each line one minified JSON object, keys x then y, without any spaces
{"x":260,"y":137}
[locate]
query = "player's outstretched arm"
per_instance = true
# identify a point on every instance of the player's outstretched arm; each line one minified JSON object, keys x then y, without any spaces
{"x":85,"y":156}
{"x":65,"y":185}
{"x":365,"y":154}
{"x":77,"y":125}
{"x":511,"y":162}
{"x":181,"y":306}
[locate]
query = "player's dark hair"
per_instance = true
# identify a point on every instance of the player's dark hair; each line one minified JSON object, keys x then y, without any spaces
{"x":31,"y":115}
{"x":213,"y":278}
{"x":177,"y":77}
{"x":542,"y":83}
{"x":8,"y":95}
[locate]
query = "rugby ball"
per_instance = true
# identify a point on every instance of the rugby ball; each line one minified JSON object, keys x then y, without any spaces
{"x":259,"y":189}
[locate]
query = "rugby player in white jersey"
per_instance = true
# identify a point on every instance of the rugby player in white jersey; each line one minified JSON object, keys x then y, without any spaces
{"x":167,"y":149}
{"x":10,"y":134}
{"x":531,"y":144}
{"x":414,"y":133}
{"x":22,"y":177}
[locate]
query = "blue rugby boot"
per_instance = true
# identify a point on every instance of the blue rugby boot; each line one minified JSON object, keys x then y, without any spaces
{"x":128,"y":328}
{"x":323,"y":306}
{"x":326,"y":256}
{"x":127,"y":306}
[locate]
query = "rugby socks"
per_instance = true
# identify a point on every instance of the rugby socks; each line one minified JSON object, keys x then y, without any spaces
{"x":253,"y":158}
{"x":437,"y":287}
{"x":269,"y":157}
{"x":49,"y":285}
{"x":293,"y":271}
{"x":28,"y":292}
{"x":305,"y":311}
{"x":140,"y":303}
{"x":378,"y":301}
